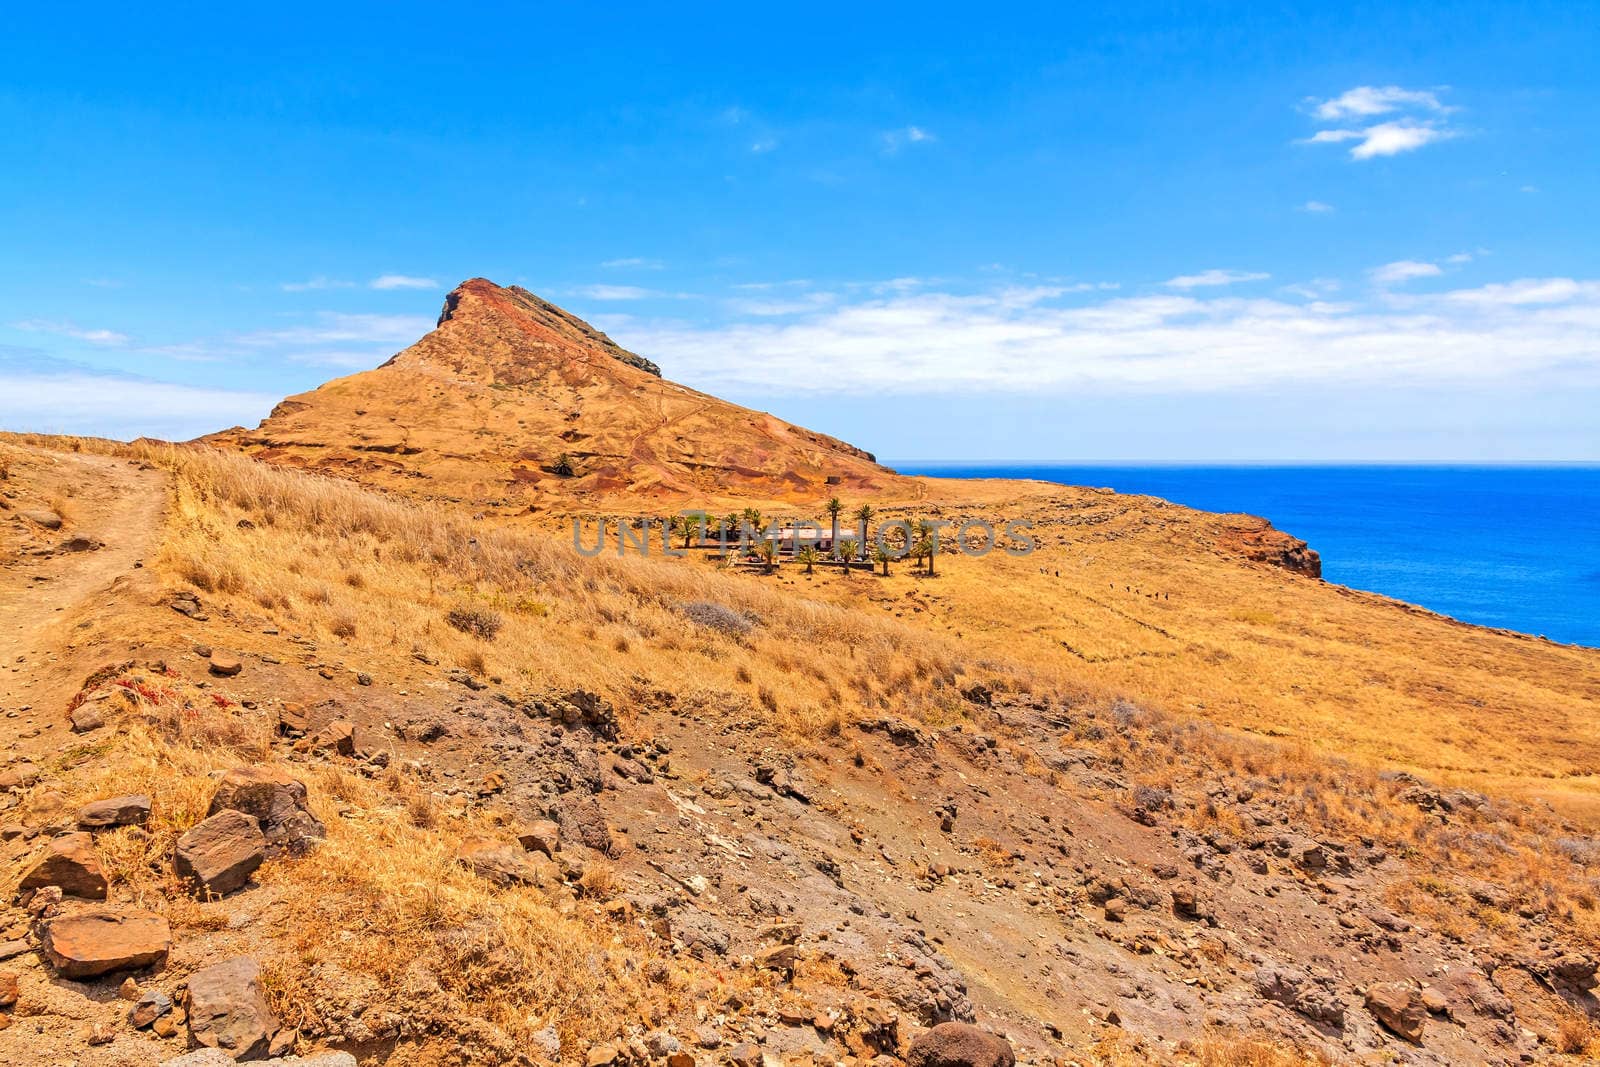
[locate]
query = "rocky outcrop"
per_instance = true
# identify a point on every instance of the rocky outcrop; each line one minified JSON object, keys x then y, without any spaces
{"x":277,"y":801}
{"x":1255,"y":539}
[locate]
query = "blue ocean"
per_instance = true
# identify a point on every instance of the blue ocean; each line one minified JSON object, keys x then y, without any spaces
{"x":1510,"y":546}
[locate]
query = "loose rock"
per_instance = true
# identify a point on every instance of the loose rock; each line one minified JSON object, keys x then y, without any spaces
{"x":219,"y":854}
{"x":228,"y":1010}
{"x":97,"y":941}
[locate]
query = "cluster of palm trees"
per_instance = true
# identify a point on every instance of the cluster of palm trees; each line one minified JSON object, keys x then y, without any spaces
{"x":921,"y":546}
{"x":923,"y":540}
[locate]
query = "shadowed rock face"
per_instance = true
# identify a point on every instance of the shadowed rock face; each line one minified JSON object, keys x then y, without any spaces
{"x":511,"y":399}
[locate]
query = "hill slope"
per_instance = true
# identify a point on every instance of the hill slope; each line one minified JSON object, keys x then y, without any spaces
{"x":510,"y":398}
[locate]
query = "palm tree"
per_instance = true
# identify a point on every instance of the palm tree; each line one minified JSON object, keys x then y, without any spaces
{"x":882,"y":555}
{"x":847,"y":552}
{"x":930,"y":541}
{"x":768,"y":551}
{"x":835,"y":506}
{"x":864,"y":513}
{"x":807,"y":556}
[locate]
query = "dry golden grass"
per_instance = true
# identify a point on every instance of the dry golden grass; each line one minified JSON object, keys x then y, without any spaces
{"x":387,"y":578}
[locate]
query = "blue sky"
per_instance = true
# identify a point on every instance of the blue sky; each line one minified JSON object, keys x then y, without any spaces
{"x":1362,"y":233}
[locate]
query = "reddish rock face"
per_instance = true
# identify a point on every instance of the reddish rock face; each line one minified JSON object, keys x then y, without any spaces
{"x":70,"y":862}
{"x":97,"y":941}
{"x":1254,"y":538}
{"x":219,"y":855}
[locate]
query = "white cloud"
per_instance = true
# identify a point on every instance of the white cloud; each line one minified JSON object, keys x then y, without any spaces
{"x":1419,"y":119}
{"x":1403,"y":270}
{"x":1316,"y":207}
{"x":1366,"y":100}
{"x":616,"y":292}
{"x":763,"y":145}
{"x":72,"y":330}
{"x":1214,"y":277}
{"x":315,"y":284}
{"x":401,"y":281}
{"x":633,"y":263}
{"x":84,"y":402}
{"x":894,"y":140}
{"x":1014,"y":340}
{"x":334,"y":327}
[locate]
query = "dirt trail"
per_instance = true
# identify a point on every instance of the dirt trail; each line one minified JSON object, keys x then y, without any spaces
{"x":109,"y":501}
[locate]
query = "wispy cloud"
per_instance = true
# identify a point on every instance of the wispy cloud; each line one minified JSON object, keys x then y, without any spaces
{"x":73,"y":330}
{"x":401,"y":281}
{"x":616,"y":292}
{"x":633,"y":263}
{"x":1016,"y":340}
{"x":1316,"y":207}
{"x":334,"y":327}
{"x":87,"y":402}
{"x":1365,"y":101}
{"x":894,"y":140}
{"x":1404,"y":270}
{"x":1419,"y":119}
{"x":1207,"y":278}
{"x":315,"y":284}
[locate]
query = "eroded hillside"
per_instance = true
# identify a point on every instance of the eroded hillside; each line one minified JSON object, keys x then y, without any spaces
{"x":636,"y":811}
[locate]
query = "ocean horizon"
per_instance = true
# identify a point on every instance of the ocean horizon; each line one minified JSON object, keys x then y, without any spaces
{"x":1512,"y":545}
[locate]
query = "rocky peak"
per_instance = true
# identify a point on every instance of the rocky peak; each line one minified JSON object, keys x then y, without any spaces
{"x":478,"y":298}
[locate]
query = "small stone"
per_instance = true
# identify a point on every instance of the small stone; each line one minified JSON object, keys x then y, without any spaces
{"x":1436,"y":1002}
{"x":129,"y":989}
{"x":86,"y":718}
{"x":100,"y":1034}
{"x":1116,"y":909}
{"x":10,"y":993}
{"x":224,"y":665}
{"x":602,"y":1055}
{"x":40,"y":517}
{"x":745,"y":1055}
{"x":150,"y":1006}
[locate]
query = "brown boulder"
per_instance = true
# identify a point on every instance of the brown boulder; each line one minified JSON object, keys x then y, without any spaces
{"x":506,"y":864}
{"x":293,"y":720}
{"x":70,"y":862}
{"x":97,"y":941}
{"x":225,"y":665}
{"x":541,"y":835}
{"x":1398,"y":1009}
{"x":9,"y":991}
{"x":115,"y":811}
{"x":228,"y":1009}
{"x":219,"y":854}
{"x":48,"y":519}
{"x":278,"y":802}
{"x":960,"y":1045}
